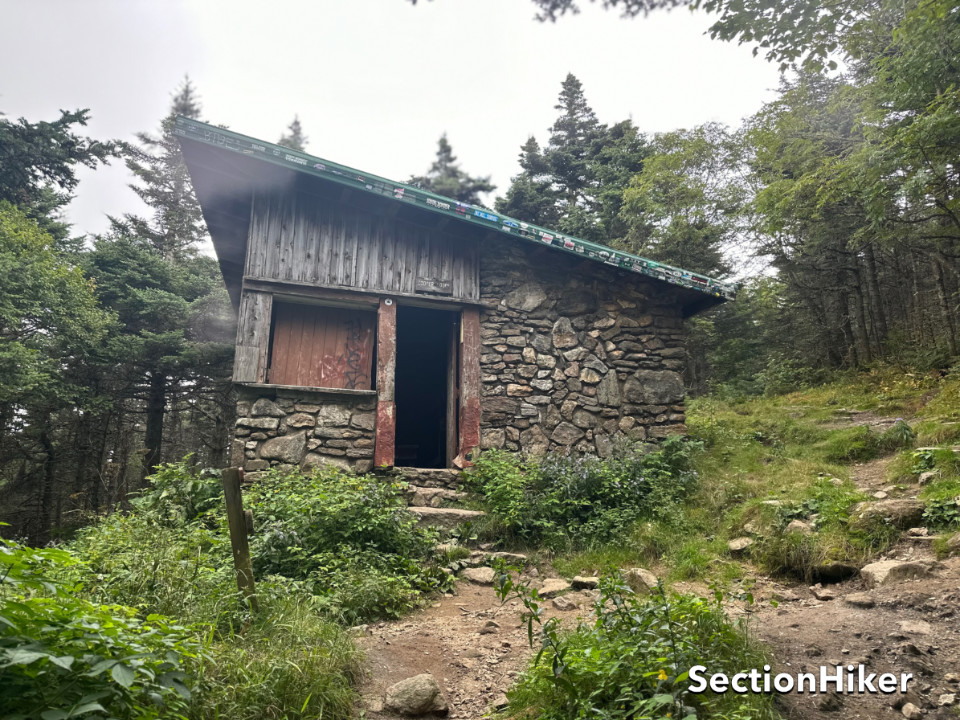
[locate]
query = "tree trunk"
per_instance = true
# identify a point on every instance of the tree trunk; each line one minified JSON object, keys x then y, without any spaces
{"x":944,"y":301}
{"x":156,"y":407}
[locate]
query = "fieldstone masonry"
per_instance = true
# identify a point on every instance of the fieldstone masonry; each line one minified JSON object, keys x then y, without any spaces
{"x":287,"y":429}
{"x":573,"y":357}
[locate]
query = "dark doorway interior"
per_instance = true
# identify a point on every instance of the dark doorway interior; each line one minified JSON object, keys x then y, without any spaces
{"x":423,"y":362}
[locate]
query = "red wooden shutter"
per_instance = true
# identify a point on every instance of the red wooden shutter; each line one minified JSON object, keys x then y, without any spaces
{"x":322,"y":347}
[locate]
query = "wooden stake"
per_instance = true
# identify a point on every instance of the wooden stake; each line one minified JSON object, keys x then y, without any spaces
{"x":238,"y":536}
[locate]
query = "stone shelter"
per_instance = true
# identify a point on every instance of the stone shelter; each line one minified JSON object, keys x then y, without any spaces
{"x":382,"y":325}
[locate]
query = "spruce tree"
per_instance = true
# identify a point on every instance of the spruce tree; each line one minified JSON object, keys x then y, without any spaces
{"x":168,"y":361}
{"x":176,"y":226}
{"x":575,"y":183}
{"x":294,"y":137}
{"x":445,"y":177}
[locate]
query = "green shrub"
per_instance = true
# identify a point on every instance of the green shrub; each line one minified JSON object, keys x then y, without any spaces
{"x":347,"y":539}
{"x":566,"y":501}
{"x":633,"y":660}
{"x":62,"y":656}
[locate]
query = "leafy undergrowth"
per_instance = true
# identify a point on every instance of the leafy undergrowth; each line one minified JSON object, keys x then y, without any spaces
{"x":562,"y":502}
{"x":633,"y":660}
{"x":139,"y":617}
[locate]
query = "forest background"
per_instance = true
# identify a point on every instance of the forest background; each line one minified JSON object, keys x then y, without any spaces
{"x":836,"y":206}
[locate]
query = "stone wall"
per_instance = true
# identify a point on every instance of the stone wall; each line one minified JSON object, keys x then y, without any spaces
{"x":575,"y":354}
{"x":287,"y":429}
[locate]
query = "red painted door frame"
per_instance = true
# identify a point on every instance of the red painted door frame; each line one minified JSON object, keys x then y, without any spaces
{"x":469,"y":376}
{"x":385,"y":442}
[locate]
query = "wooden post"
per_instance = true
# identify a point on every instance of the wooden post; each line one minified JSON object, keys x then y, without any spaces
{"x":385,"y":445}
{"x":469,"y":385}
{"x":238,"y":536}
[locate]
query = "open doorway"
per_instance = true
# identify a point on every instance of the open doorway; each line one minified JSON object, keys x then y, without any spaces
{"x":425,"y":386}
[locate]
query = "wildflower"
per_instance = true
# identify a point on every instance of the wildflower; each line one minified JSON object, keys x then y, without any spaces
{"x":662,"y":675}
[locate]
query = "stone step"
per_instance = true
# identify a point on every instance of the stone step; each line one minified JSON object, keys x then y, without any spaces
{"x":432,"y":497}
{"x":446,"y":518}
{"x":428,"y":477}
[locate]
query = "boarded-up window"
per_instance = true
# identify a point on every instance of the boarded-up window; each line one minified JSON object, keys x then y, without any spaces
{"x":322,"y":347}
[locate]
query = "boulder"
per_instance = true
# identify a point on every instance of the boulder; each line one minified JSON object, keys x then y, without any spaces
{"x":416,"y":696}
{"x":911,"y":712}
{"x":563,"y":603}
{"x":640,"y":580}
{"x":902,"y":513}
{"x":953,"y":545}
{"x":798,"y":526}
{"x":887,"y":572}
{"x":286,"y":448}
{"x":860,"y":600}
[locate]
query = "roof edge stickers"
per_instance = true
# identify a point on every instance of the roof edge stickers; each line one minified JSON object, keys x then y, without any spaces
{"x":301,"y":162}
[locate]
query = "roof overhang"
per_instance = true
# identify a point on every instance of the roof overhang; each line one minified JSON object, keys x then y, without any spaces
{"x":226,"y":168}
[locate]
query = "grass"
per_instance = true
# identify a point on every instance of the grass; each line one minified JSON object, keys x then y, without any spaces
{"x":288,"y":664}
{"x":769,"y":460}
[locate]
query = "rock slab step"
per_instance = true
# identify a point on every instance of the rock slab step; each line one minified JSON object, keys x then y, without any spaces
{"x":887,"y":572}
{"x":445,"y":517}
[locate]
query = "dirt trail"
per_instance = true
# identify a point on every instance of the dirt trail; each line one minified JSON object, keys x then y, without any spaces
{"x":909,"y":626}
{"x":473,"y":664}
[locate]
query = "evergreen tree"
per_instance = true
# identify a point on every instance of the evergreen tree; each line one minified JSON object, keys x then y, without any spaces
{"x":575,"y":184}
{"x":160,"y":337}
{"x":38,"y":164}
{"x":445,"y":177}
{"x":176,"y":227}
{"x":294,"y":137}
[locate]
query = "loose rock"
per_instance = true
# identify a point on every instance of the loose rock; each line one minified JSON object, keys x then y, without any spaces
{"x":552,"y":587}
{"x":739,"y":546}
{"x":862,"y":600}
{"x":911,"y":712}
{"x":419,"y":695}
{"x":583,"y":582}
{"x":563,"y":604}
{"x":640,"y":580}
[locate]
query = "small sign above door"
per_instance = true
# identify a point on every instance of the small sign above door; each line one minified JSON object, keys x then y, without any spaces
{"x":432,"y":285}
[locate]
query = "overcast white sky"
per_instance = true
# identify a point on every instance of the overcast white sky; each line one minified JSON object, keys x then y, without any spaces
{"x":375,"y":82}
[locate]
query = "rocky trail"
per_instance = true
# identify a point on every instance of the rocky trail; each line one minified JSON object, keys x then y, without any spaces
{"x":901,"y":613}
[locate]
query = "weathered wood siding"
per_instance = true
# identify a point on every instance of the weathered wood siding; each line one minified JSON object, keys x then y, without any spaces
{"x":300,"y":238}
{"x":253,"y":337}
{"x":322,"y":347}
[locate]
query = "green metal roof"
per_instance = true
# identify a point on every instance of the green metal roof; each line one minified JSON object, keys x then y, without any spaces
{"x":411,"y":195}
